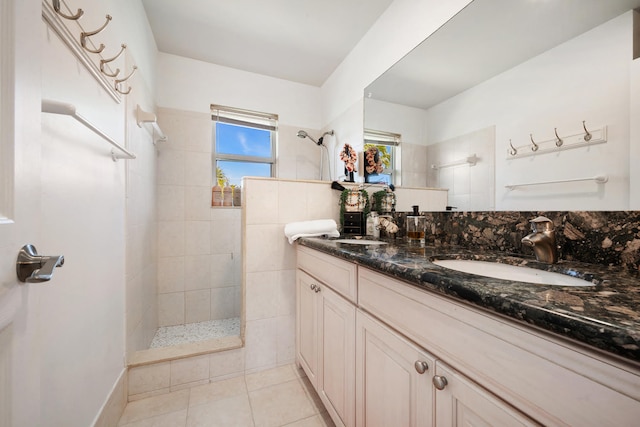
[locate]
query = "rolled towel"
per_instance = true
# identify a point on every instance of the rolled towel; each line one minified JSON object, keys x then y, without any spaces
{"x":318,"y":227}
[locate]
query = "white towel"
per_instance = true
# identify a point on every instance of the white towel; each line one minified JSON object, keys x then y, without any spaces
{"x":319,"y":227}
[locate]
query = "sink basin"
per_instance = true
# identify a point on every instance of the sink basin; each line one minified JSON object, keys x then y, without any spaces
{"x":360,"y":242}
{"x":511,"y":272}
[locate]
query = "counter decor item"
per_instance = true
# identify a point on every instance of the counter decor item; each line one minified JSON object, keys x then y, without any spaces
{"x":349,"y":156}
{"x":354,"y":200}
{"x":416,"y":225}
{"x":383,"y":201}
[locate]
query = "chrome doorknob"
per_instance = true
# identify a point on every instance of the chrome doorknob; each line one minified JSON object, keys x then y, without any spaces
{"x":34,"y":268}
{"x":421,"y":366}
{"x":440,"y":382}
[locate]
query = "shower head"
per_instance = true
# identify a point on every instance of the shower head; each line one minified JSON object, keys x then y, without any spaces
{"x":303,"y":134}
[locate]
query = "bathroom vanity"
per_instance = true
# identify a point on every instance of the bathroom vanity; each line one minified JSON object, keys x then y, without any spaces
{"x":389,"y":338}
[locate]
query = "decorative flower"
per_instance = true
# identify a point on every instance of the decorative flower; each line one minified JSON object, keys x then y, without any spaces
{"x":349,"y":156}
{"x":373,"y":161}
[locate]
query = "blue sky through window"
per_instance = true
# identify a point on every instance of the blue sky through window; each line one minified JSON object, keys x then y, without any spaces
{"x":236,"y":170}
{"x":244,"y":141}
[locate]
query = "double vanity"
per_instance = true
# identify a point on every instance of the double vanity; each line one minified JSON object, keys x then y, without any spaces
{"x":393,"y":333}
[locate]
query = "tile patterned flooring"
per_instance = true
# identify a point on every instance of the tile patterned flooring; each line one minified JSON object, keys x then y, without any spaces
{"x":276,"y":397}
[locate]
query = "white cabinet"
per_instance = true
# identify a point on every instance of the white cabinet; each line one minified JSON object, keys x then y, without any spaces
{"x":381,"y":352}
{"x":518,"y":370}
{"x":400,"y":384}
{"x":393,"y":378}
{"x":462,"y":403}
{"x":325,"y":332}
{"x":307,"y":330}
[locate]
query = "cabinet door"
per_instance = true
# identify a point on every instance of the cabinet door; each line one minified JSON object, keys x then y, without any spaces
{"x":460,"y":402}
{"x":393,"y":378}
{"x":307,"y":337}
{"x":337,"y":374}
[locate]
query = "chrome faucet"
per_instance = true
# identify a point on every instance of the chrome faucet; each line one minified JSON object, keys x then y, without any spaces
{"x":542,"y":240}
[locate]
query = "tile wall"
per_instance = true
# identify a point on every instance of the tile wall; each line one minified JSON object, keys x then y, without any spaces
{"x":199,"y":258}
{"x":141,"y":236}
{"x":270,"y":263}
{"x":471,"y":187}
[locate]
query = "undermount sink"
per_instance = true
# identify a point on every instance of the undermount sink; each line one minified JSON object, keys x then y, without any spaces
{"x":360,"y":242}
{"x":511,"y":272}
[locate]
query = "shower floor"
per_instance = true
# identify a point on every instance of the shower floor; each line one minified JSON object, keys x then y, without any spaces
{"x":168,"y":336}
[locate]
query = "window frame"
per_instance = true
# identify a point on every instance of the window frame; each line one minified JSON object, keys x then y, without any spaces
{"x":246,"y":118}
{"x":392,"y":140}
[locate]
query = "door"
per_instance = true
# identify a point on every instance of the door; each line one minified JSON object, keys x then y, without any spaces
{"x":460,"y":402}
{"x":393,"y":378}
{"x":307,"y":325}
{"x":20,"y":209}
{"x":337,"y":361}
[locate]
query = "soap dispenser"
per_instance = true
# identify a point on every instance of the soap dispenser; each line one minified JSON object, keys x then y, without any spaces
{"x":415,"y":226}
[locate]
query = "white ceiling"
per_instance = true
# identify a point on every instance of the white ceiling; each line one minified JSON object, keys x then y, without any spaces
{"x":297,"y":40}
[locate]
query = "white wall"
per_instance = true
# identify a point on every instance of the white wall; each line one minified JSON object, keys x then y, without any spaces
{"x":82,"y":314}
{"x":554,"y":90}
{"x":190,"y":85}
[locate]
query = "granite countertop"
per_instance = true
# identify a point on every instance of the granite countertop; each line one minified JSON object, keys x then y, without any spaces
{"x":605,"y":316}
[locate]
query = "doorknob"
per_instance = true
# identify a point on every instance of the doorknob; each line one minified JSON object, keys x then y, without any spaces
{"x":34,"y":268}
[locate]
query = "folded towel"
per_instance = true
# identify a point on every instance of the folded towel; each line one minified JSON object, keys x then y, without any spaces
{"x":319,"y":227}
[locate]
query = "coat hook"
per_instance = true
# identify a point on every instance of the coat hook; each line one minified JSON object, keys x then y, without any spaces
{"x":513,"y":151}
{"x":84,"y":35}
{"x":105,"y":61}
{"x":534,"y":147}
{"x":587,"y":135}
{"x":559,"y":140}
{"x":56,"y":7}
{"x":117,"y":82}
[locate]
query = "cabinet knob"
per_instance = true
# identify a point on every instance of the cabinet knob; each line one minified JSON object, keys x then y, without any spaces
{"x":440,"y":382}
{"x":317,"y":289}
{"x":421,"y":366}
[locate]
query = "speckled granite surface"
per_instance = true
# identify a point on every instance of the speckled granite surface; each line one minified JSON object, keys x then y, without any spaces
{"x":599,"y":237}
{"x":605,"y":316}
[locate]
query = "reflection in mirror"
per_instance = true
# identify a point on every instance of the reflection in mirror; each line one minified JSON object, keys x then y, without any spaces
{"x":519,"y":71}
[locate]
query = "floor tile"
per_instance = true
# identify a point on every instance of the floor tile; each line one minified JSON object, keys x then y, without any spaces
{"x":172,"y":419}
{"x":281,"y":404}
{"x":315,"y":421}
{"x":233,"y":411}
{"x":154,"y":406}
{"x":217,"y":390}
{"x":270,"y":377}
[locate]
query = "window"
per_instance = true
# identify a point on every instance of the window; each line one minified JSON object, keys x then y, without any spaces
{"x":382,"y":148}
{"x":244,"y":144}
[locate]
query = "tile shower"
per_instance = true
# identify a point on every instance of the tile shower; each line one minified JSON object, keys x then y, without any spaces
{"x":199,"y":253}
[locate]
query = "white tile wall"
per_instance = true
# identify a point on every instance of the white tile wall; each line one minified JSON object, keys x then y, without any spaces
{"x":198,"y":246}
{"x":470,"y":187}
{"x":141,"y":236}
{"x":270,"y":263}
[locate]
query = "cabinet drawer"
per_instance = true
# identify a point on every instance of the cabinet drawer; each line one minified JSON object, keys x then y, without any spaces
{"x":536,"y":373}
{"x":338,"y":274}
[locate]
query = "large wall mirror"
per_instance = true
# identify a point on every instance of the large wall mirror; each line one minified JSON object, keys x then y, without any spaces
{"x":519,"y":105}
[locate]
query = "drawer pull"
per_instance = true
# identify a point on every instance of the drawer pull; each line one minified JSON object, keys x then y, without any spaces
{"x":439,"y":382}
{"x":315,"y":288}
{"x":421,"y":366}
